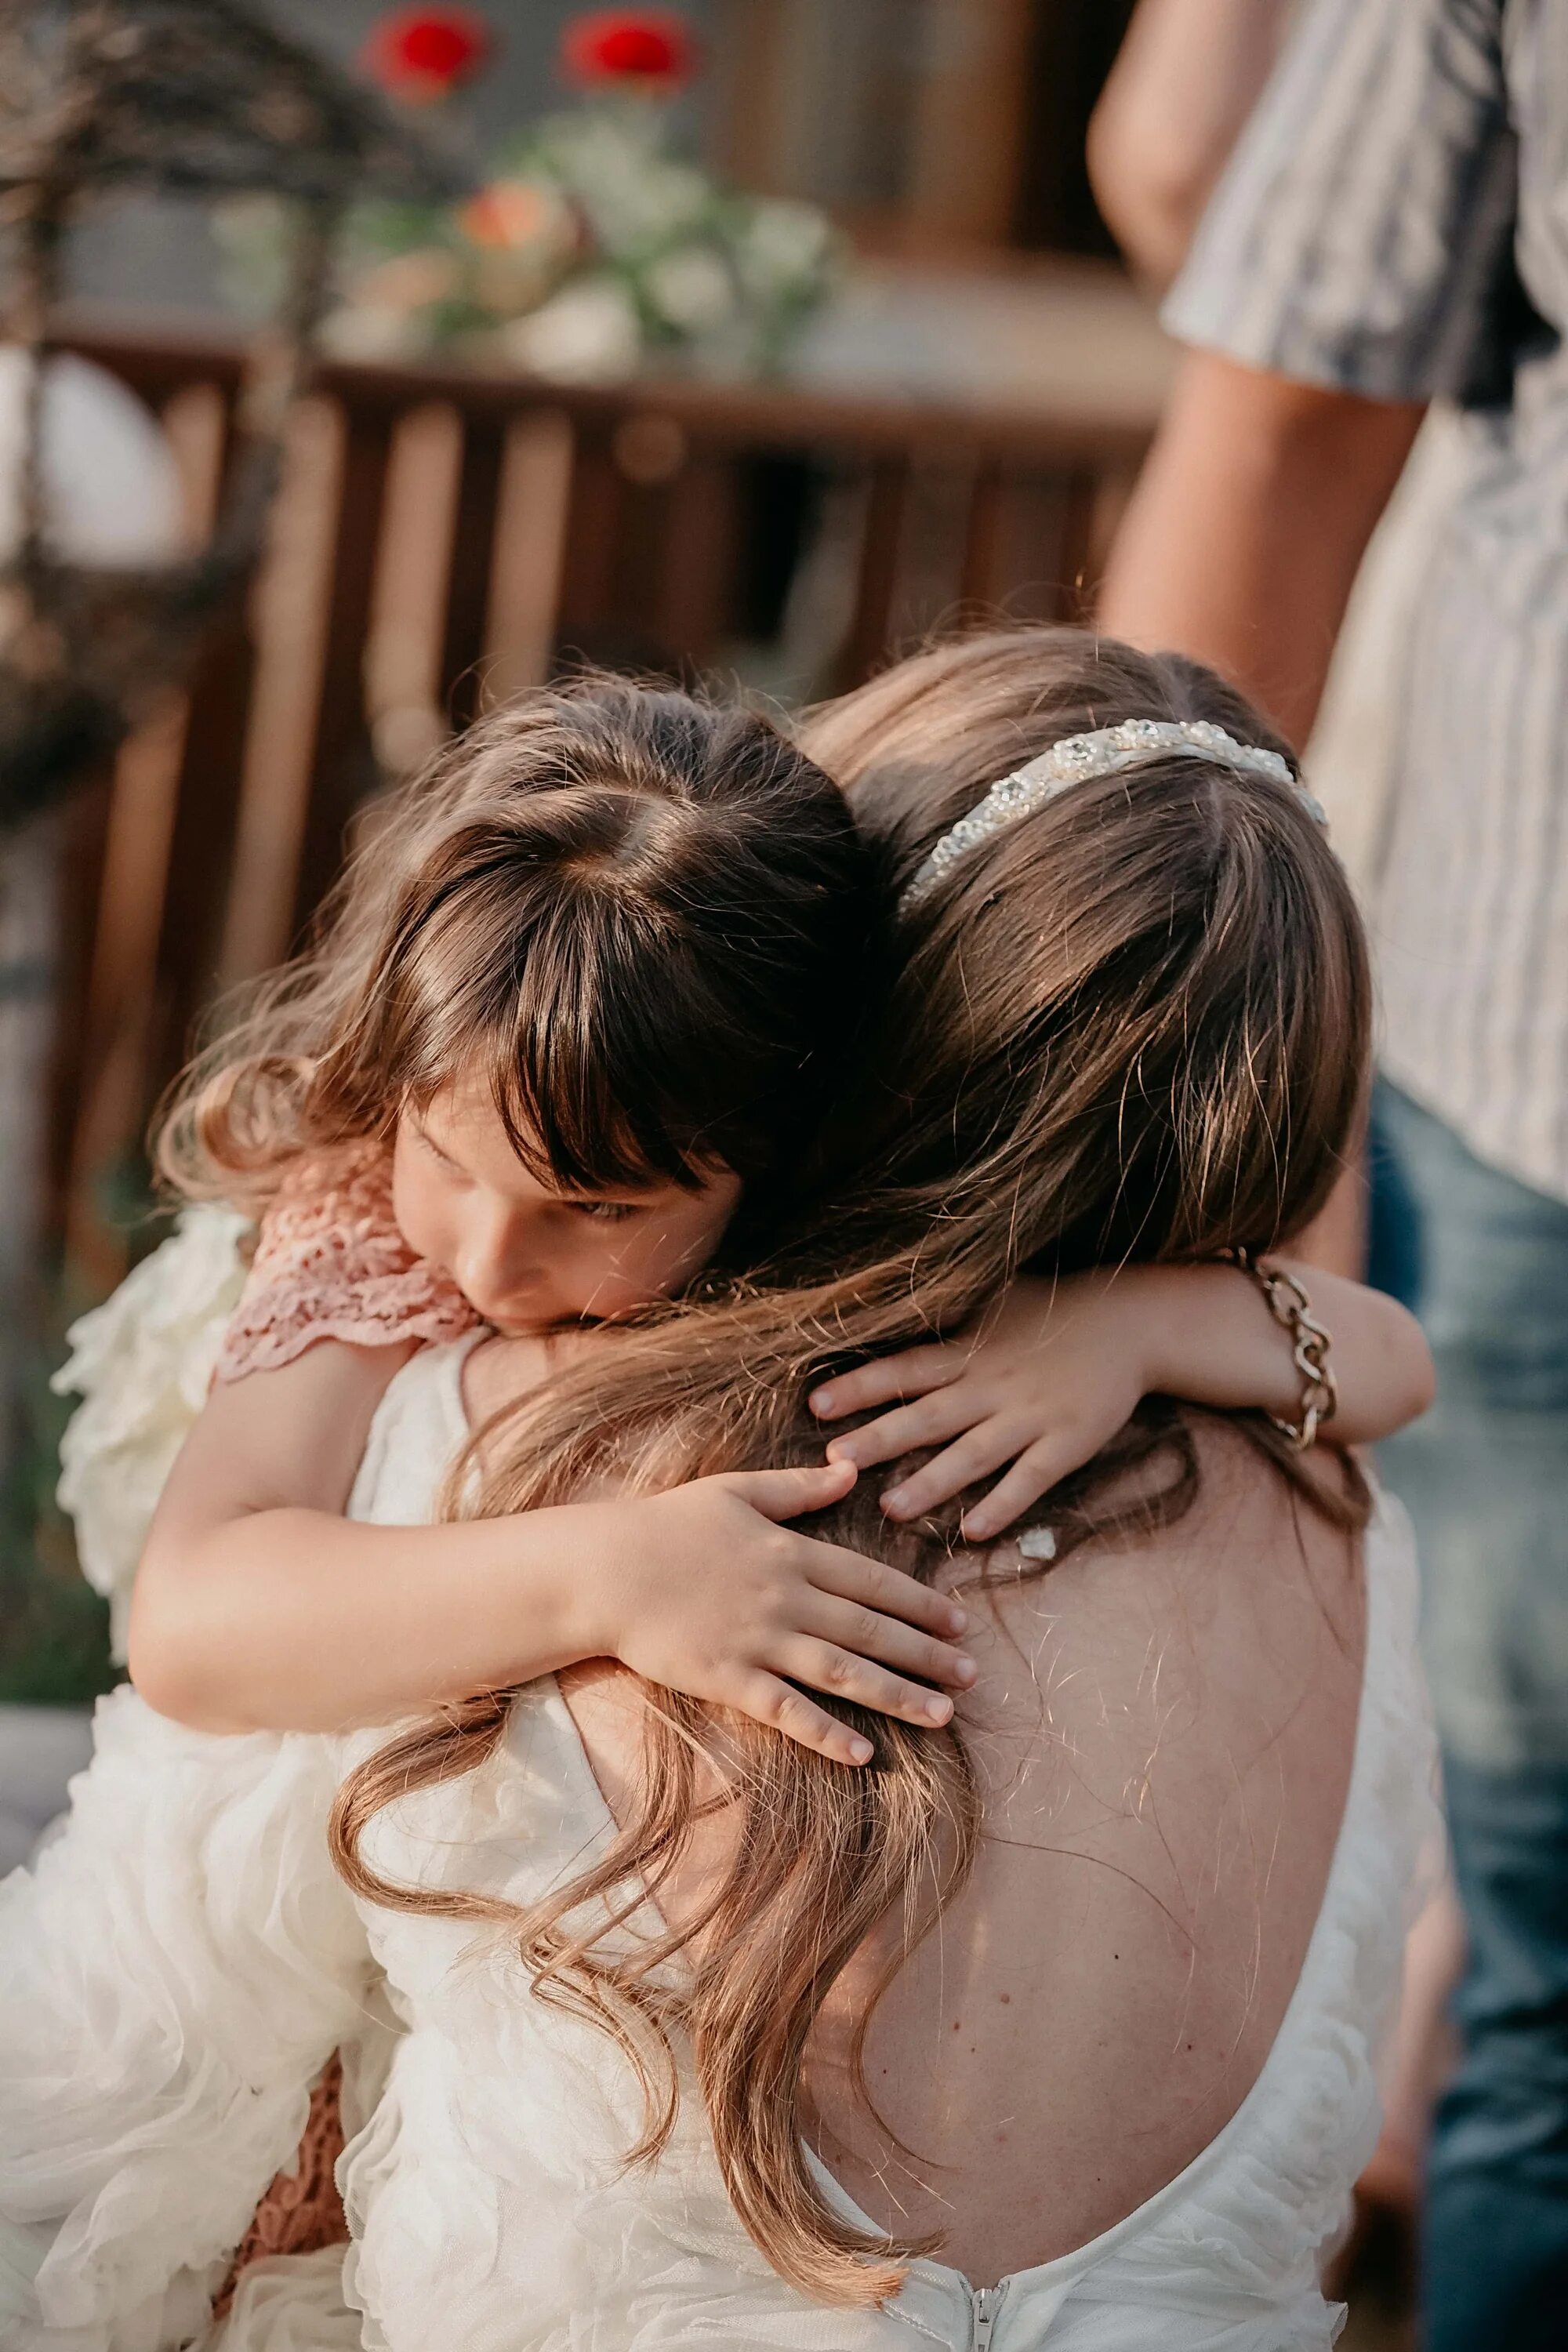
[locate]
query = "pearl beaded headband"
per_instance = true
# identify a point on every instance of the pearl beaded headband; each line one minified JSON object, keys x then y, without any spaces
{"x":1105,"y":752}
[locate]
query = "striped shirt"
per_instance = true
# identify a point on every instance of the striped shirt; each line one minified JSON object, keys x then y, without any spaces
{"x":1395,"y":221}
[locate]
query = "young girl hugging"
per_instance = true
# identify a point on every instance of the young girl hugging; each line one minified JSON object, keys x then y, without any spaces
{"x":1128,"y":1030}
{"x":571,"y":1028}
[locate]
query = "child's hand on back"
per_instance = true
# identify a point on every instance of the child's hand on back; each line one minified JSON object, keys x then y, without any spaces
{"x":707,"y":1592}
{"x":1038,"y":1388}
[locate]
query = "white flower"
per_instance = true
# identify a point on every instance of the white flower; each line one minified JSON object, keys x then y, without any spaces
{"x":646,"y":203}
{"x":691,"y":286}
{"x":633,"y":195}
{"x":783,"y":249}
{"x":588,"y":333}
{"x":142,"y":1363}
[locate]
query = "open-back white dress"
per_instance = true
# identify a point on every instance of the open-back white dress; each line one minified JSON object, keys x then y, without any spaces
{"x":181,"y":1962}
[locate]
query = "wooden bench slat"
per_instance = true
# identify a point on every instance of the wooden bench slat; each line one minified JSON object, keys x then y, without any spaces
{"x":473,"y":558}
{"x":866,"y":638}
{"x":292,"y":609}
{"x":343,"y":768}
{"x":529,"y":555}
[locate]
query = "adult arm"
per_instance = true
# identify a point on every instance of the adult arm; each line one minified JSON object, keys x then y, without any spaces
{"x":1346,"y":273}
{"x":1185,"y":81}
{"x":1242,"y":540}
{"x":1241,"y":546}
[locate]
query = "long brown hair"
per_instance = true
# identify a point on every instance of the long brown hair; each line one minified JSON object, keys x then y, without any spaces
{"x":1133,"y":1027}
{"x":638,"y":914}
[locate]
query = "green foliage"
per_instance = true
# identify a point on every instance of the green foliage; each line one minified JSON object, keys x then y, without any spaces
{"x":54,"y":1629}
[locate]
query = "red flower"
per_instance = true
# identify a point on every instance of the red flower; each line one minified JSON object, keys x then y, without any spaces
{"x":651,"y":45}
{"x":423,"y":53}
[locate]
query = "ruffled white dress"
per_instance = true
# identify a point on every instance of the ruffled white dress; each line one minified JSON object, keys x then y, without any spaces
{"x":181,"y":1964}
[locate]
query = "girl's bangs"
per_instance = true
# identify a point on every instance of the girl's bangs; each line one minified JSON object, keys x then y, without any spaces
{"x":598,"y":1061}
{"x":579,"y":1121}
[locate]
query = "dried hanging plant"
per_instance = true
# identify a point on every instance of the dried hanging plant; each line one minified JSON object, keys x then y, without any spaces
{"x":197,"y":96}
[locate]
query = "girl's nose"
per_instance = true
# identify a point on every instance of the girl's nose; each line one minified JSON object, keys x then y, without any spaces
{"x":491,"y":1264}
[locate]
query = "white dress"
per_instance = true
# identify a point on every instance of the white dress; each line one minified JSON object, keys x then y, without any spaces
{"x":184,"y":1959}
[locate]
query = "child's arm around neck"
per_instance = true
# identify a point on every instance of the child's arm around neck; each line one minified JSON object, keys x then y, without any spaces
{"x":1051,"y":1374}
{"x":258,"y":1606}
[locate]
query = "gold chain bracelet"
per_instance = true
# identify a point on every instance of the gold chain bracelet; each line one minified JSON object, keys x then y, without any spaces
{"x":1290,"y":1306}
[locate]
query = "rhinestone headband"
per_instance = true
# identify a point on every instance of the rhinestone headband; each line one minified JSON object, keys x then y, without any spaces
{"x":1105,"y":752}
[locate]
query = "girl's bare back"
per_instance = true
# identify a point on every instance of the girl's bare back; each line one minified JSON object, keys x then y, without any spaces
{"x":1165,"y":1735}
{"x":1163,"y":1731}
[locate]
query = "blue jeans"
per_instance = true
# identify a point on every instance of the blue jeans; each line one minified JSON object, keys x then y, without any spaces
{"x":1485,"y":1476}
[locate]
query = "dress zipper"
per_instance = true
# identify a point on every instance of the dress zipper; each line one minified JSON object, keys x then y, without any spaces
{"x":986,"y":2301}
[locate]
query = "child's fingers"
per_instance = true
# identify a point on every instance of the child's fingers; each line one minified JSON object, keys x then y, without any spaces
{"x":851,"y":1625}
{"x":783,"y":1708}
{"x":910,"y":1374}
{"x":927,"y":1421}
{"x":1034,"y":1474}
{"x":873,"y":1584}
{"x":975,"y":1455}
{"x":824,"y":1666}
{"x":790,"y":1493}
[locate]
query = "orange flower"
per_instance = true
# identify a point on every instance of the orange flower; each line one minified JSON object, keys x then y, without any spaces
{"x":509,"y":213}
{"x":652,"y":47}
{"x":423,"y":53}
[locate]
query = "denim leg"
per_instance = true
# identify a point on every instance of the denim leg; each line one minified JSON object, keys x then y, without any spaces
{"x":1392,"y":1216}
{"x":1485,"y":1473}
{"x":1485,"y":1476}
{"x":1496,"y":2252}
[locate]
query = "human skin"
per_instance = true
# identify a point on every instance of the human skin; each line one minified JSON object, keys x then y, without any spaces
{"x":258,"y":1605}
{"x":1241,"y":542}
{"x":1185,"y":81}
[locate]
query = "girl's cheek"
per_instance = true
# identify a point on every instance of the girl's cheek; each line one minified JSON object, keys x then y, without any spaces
{"x":415,"y":1209}
{"x":627,"y":1275}
{"x":628,"y":1272}
{"x":674,"y":1256}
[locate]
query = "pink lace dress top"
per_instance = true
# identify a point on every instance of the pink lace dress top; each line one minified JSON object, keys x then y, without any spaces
{"x":331,"y":1264}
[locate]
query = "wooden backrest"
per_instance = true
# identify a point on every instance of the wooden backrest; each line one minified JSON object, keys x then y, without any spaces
{"x":442,"y":539}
